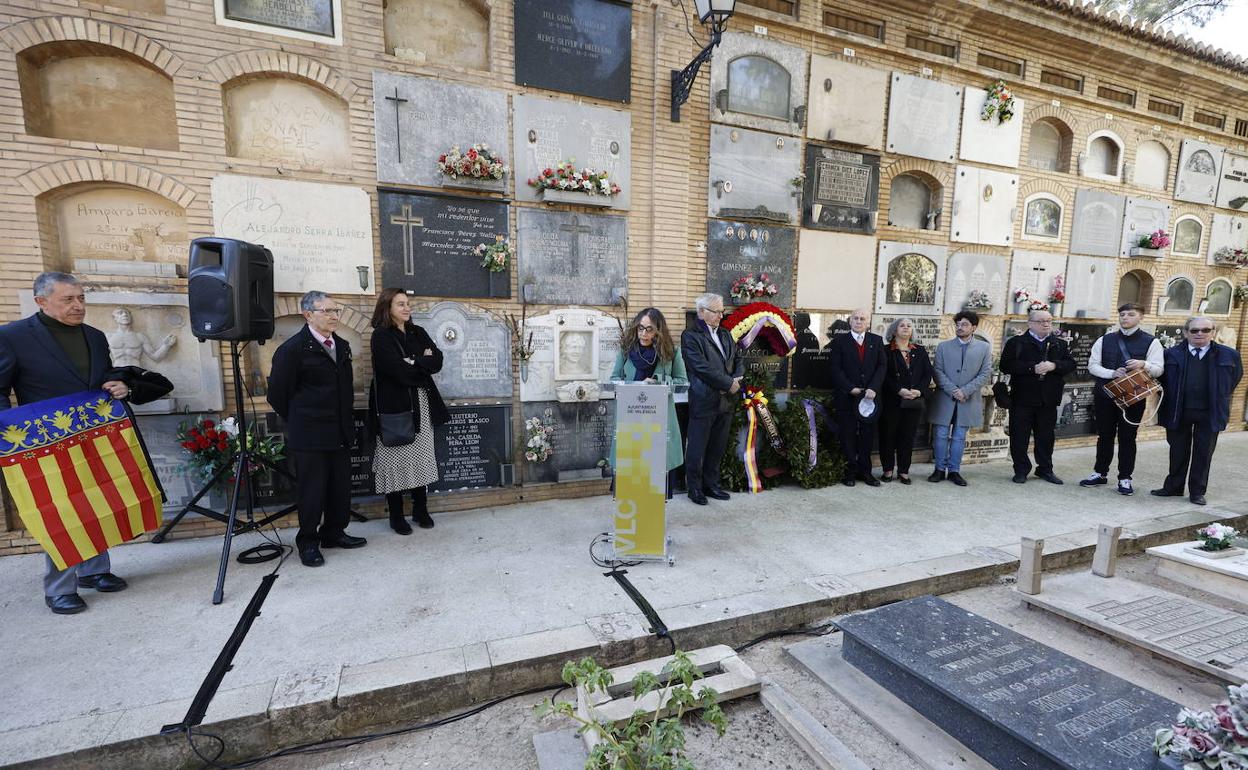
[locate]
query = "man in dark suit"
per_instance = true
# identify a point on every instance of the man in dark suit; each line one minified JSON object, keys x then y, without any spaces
{"x":1199,"y":379}
{"x":1037,"y":361}
{"x":857,"y":363}
{"x":311,"y":388}
{"x":49,"y":354}
{"x":715,"y":368}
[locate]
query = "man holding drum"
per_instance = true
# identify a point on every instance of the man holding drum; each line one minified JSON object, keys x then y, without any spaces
{"x":1120,"y":353}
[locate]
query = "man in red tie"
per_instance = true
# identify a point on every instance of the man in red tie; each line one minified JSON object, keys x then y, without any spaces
{"x":857,"y":370}
{"x":311,"y":388}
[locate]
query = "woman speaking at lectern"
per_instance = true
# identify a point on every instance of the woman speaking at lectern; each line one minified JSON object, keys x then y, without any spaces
{"x":647,"y":354}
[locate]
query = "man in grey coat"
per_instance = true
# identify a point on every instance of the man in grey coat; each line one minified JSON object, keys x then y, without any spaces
{"x":963,"y":366}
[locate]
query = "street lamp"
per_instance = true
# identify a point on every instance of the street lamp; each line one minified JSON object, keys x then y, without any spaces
{"x":717,"y":11}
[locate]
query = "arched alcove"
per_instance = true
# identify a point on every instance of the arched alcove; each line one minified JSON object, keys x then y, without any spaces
{"x":1180,"y":293}
{"x":1152,"y":165}
{"x":758,"y":85}
{"x":1042,"y":217}
{"x":455,"y":32}
{"x":280,"y":119}
{"x":1217,"y":299}
{"x":1188,"y":231}
{"x":1049,"y":145}
{"x":1103,"y":158}
{"x":96,"y":93}
{"x":911,"y":280}
{"x":109,"y":221}
{"x":914,"y":201}
{"x":1136,"y":286}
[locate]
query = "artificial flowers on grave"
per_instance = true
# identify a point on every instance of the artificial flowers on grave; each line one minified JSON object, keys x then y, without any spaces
{"x":754,"y":401}
{"x":999,"y":104}
{"x":760,"y":320}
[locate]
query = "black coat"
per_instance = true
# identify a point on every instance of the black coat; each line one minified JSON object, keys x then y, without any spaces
{"x":34,"y":365}
{"x":848,"y":372}
{"x":1224,"y":377}
{"x":313,"y":393}
{"x":1019,"y":358}
{"x":897,"y":375}
{"x":396,"y":380}
{"x":710,"y":374}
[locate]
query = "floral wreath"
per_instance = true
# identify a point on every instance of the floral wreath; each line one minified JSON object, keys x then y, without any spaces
{"x":999,"y":104}
{"x":763,"y":321}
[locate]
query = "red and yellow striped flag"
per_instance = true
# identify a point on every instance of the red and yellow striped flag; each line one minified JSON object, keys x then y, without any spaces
{"x":78,"y":474}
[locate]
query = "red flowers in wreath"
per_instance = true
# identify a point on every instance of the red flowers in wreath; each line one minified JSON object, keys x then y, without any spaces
{"x":761,"y":320}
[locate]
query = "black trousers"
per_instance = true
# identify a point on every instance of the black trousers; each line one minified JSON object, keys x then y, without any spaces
{"x":1026,"y":421}
{"x":420,"y":502}
{"x":322,"y":486}
{"x":1110,"y":426}
{"x":1191,"y":451}
{"x":708,"y":436}
{"x":857,"y":440}
{"x":897,"y":429}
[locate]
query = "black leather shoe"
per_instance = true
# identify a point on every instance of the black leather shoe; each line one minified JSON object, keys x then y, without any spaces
{"x":1050,"y":477}
{"x":904,"y":479}
{"x":105,"y":583}
{"x":65,"y":604}
{"x":956,"y":478}
{"x":311,"y":556}
{"x":937,"y":476}
{"x":698,"y":498}
{"x":848,"y":482}
{"x":343,"y":541}
{"x":718,"y":494}
{"x":401,"y":526}
{"x":1163,"y":492}
{"x":869,"y":480}
{"x":423,"y":519}
{"x":1019,"y":478}
{"x":1197,"y":499}
{"x":886,"y":478}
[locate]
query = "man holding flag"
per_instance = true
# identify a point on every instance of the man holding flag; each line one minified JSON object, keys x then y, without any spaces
{"x":53,"y":354}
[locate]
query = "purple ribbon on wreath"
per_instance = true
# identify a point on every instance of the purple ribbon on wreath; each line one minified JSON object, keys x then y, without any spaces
{"x":812,"y":407}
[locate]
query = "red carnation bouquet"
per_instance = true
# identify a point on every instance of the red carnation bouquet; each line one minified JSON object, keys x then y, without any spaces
{"x":211,"y":446}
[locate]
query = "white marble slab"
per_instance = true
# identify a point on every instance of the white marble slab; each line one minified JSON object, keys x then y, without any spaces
{"x":988,"y":141}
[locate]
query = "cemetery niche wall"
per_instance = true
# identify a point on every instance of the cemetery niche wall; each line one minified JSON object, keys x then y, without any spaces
{"x":566,"y":257}
{"x":754,"y":175}
{"x":112,"y":228}
{"x":984,"y":206}
{"x":1097,"y":229}
{"x":742,"y":250}
{"x":547,"y":132}
{"x":846,"y":102}
{"x":1200,"y":164}
{"x":573,"y":351}
{"x":476,"y":351}
{"x":910,"y":279}
{"x":283,"y":120}
{"x":576,"y":46}
{"x":448,"y":32}
{"x":760,"y":83}
{"x":840,"y":189}
{"x":923,"y":118}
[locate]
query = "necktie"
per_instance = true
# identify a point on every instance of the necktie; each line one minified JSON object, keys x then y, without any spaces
{"x":329,"y":343}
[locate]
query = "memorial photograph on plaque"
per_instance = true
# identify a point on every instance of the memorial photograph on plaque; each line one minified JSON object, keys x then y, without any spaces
{"x":427,"y":243}
{"x":841,"y":189}
{"x":310,"y":17}
{"x":580,"y":47}
{"x":1042,"y":218}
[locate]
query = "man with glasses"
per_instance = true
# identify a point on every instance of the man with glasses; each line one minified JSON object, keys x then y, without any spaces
{"x":715,"y":367}
{"x":1199,"y":380}
{"x":1037,"y":362}
{"x":311,"y":388}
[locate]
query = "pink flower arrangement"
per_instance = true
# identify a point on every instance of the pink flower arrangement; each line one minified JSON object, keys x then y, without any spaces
{"x":1216,"y":739}
{"x":1229,"y":256}
{"x":747,"y":288}
{"x":566,"y":176}
{"x":479,"y":162}
{"x":1021,"y":294}
{"x":1058,"y":294}
{"x":1157,"y":240}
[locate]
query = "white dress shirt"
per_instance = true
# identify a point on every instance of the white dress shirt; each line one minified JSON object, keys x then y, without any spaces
{"x":1154,"y":360}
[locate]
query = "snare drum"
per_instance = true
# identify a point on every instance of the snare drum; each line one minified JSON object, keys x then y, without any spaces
{"x":1132,"y":388}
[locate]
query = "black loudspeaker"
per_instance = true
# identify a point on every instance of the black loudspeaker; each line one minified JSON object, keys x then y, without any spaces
{"x":230,"y":290}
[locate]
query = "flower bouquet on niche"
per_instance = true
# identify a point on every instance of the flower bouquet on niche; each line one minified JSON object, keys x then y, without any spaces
{"x":1229,"y":256}
{"x":978,"y":299}
{"x":211,"y":446}
{"x":749,"y":287}
{"x":479,"y":162}
{"x":566,"y":177}
{"x":999,"y":104}
{"x":495,"y":256}
{"x":537,"y":440}
{"x":1155,"y":240}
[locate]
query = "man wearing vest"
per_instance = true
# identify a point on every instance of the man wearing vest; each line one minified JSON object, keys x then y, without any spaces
{"x":1199,"y":379}
{"x":1115,"y":355}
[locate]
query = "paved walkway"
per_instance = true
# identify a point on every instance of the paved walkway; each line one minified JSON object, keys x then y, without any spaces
{"x":131,"y":662}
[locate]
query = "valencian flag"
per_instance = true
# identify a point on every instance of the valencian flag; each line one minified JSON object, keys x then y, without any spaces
{"x":79,"y":474}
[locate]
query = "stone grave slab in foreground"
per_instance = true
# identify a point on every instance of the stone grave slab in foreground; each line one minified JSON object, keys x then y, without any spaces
{"x":1227,"y":578}
{"x":1011,"y":699}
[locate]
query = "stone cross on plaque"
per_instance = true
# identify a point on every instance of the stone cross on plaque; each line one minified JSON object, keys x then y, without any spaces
{"x":1038,"y":270}
{"x":577,"y":230}
{"x":398,"y":134}
{"x":405,"y":220}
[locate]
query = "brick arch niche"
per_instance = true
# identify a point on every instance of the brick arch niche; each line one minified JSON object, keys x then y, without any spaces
{"x":1049,"y":145}
{"x":86,"y":91}
{"x":1136,"y":286}
{"x":455,"y":32}
{"x":111,"y":222}
{"x":914,"y":201}
{"x":276,"y":118}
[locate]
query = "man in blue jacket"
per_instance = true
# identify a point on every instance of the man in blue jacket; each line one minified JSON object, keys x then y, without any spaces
{"x":1199,"y":379}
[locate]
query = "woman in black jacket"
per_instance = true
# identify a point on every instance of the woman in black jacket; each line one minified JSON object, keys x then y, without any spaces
{"x":907,"y":377}
{"x":404,"y":360}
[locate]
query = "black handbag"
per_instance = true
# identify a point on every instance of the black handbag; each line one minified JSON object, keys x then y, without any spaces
{"x":1001,"y":394}
{"x":397,"y":428}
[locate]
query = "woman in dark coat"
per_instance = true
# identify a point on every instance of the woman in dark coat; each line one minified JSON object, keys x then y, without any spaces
{"x":907,"y":378}
{"x":405,"y":359}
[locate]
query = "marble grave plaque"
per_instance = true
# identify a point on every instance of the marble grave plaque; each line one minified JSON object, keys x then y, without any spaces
{"x":923,"y":118}
{"x":841,"y":190}
{"x":1035,"y":271}
{"x":984,"y":204}
{"x":582,"y":439}
{"x":910,"y":279}
{"x":752,"y":175}
{"x":1233,"y":182}
{"x":571,"y":257}
{"x":427,"y":243}
{"x":1200,"y":165}
{"x":846,"y":102}
{"x":474,"y":449}
{"x":1097,"y":228}
{"x":989,"y":141}
{"x":314,"y":17}
{"x":1081,"y":337}
{"x":1143,"y":216}
{"x":851,"y":258}
{"x":758,"y":82}
{"x":736,"y":249}
{"x":549,"y":131}
{"x":576,"y":46}
{"x":1091,"y":283}
{"x":572,"y":347}
{"x":476,"y":351}
{"x":1227,"y":230}
{"x":977,"y":272}
{"x":418,"y":119}
{"x":928,"y":330}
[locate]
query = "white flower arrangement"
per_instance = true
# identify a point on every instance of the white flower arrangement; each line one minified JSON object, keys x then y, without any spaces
{"x":537,"y":446}
{"x":1216,"y":537}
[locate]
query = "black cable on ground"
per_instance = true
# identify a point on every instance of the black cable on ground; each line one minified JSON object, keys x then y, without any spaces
{"x":822,"y":630}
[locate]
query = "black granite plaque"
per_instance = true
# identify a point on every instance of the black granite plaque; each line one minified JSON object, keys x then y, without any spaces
{"x":427,"y":243}
{"x":1015,"y":702}
{"x":473,"y":448}
{"x":810,"y":361}
{"x":841,"y":190}
{"x":1075,"y":414}
{"x":738,"y":249}
{"x":1081,"y":337}
{"x":315,"y":17}
{"x":577,"y":46}
{"x":582,"y":439}
{"x":273,"y":489}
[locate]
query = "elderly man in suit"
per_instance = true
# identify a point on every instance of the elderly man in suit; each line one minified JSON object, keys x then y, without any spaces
{"x":963,"y":366}
{"x":1037,"y":361}
{"x":715,"y":367}
{"x":1199,"y":379}
{"x":49,"y":354}
{"x":857,"y":364}
{"x":311,"y":388}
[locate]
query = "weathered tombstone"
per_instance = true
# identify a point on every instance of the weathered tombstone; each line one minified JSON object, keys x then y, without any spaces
{"x":119,"y":224}
{"x":548,"y":132}
{"x":476,"y":351}
{"x":739,"y":249}
{"x":568,"y":257}
{"x":1227,"y":231}
{"x":1097,"y":228}
{"x":474,"y":448}
{"x":984,"y":204}
{"x":282,"y":121}
{"x":841,"y":189}
{"x":1091,"y":283}
{"x":1233,"y":184}
{"x":923,"y":118}
{"x":573,"y":352}
{"x":577,"y":46}
{"x":1143,"y":216}
{"x":1200,"y":165}
{"x":427,"y":243}
{"x":990,"y":141}
{"x":758,"y":82}
{"x":846,"y":102}
{"x":1189,"y":231}
{"x":311,"y":17}
{"x":1075,"y":412}
{"x":910,"y":279}
{"x":581,"y":441}
{"x":320,"y":234}
{"x":977,"y":272}
{"x":927,"y":329}
{"x":1035,"y":271}
{"x":418,"y":119}
{"x":851,"y":258}
{"x":754,"y":175}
